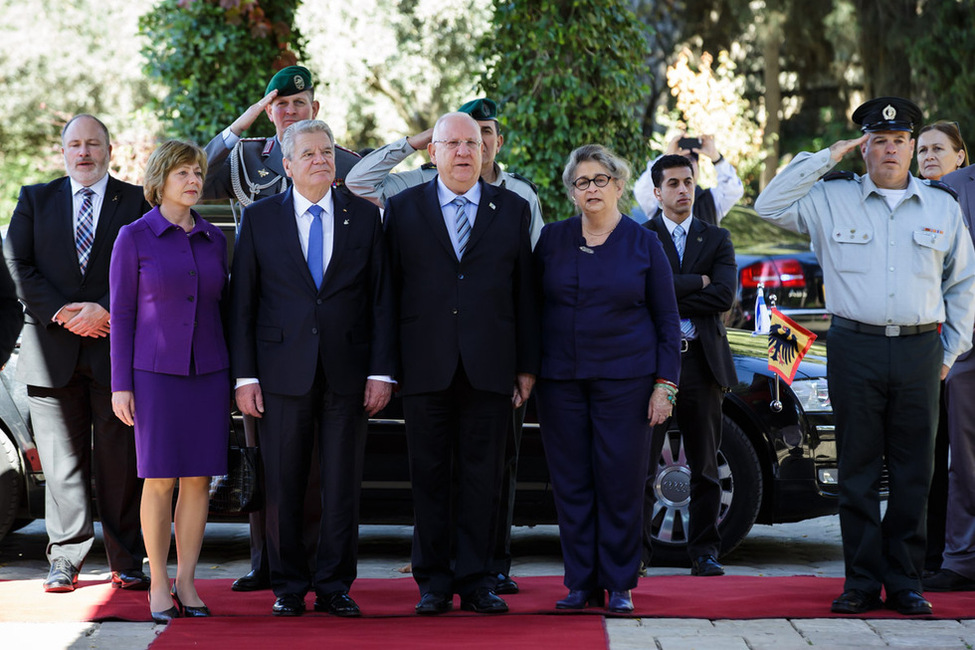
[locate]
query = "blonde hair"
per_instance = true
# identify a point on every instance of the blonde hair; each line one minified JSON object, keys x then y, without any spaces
{"x":167,"y":157}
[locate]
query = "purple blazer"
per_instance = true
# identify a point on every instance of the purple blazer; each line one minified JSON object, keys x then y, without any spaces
{"x":166,"y":288}
{"x":608,"y":312}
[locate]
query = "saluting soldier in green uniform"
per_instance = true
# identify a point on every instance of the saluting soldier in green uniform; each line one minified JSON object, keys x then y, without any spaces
{"x":247,"y":169}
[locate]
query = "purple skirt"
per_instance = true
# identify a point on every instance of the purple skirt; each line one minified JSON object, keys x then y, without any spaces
{"x":181,"y":424}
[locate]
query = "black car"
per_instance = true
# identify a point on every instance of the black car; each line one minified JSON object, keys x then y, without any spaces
{"x":776,"y":465}
{"x":791,"y":273}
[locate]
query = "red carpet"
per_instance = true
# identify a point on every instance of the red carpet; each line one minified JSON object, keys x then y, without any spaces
{"x":322,"y":631}
{"x":731,"y":597}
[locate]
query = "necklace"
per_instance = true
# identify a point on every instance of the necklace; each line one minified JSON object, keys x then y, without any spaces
{"x":586,"y":231}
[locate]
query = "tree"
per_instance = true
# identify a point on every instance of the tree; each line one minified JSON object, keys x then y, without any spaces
{"x":58,"y":59}
{"x":569,"y":74}
{"x":393,"y":66}
{"x":214,"y":58}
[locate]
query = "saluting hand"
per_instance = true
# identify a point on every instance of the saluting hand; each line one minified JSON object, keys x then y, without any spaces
{"x":123,"y":403}
{"x":254,"y":111}
{"x":842,"y":147}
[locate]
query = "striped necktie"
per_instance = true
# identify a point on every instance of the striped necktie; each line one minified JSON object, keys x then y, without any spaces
{"x":84,"y":234}
{"x":687,"y":329}
{"x":462,"y":224}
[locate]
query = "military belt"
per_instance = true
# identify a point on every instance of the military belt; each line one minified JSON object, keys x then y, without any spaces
{"x":883,"y":330}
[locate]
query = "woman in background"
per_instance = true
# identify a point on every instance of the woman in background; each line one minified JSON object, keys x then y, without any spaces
{"x":940,"y":150}
{"x":610,"y":365}
{"x":170,"y":366}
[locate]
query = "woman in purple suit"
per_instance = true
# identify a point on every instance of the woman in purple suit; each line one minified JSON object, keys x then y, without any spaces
{"x":610,"y":365}
{"x":170,"y":367}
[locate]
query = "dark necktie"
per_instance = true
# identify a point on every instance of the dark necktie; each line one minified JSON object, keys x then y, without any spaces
{"x":315,"y":255}
{"x":84,"y":235}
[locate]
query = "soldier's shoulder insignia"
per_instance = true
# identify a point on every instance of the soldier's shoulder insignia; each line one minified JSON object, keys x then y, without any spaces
{"x":524,"y":180}
{"x":428,"y":165}
{"x":840,"y":176}
{"x":941,"y":186}
{"x":339,"y":147}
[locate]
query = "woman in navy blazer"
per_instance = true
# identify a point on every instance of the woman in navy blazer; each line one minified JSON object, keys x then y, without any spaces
{"x":610,"y":365}
{"x":170,"y":366}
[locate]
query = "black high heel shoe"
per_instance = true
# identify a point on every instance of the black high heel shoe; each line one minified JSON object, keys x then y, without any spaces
{"x":580,"y":598}
{"x":162,"y":618}
{"x":186,"y":610}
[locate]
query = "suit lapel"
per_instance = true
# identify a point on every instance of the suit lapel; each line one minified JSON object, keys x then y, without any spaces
{"x":668,"y":243}
{"x":292,"y":243}
{"x":341,"y":223}
{"x":434,"y":216}
{"x":693,"y":244}
{"x":64,"y":223}
{"x":486,"y":211}
{"x":108,"y":214}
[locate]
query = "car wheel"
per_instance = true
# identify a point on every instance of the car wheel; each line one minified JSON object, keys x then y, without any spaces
{"x":11,"y":483}
{"x":666,"y":525}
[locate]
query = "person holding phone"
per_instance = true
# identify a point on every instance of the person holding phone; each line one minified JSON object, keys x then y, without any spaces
{"x":710,"y":205}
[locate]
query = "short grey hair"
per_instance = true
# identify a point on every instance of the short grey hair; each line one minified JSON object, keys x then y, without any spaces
{"x":97,"y":121}
{"x":618,"y":168}
{"x":298,"y":128}
{"x":438,"y":127}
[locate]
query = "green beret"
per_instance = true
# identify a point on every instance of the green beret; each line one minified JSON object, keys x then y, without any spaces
{"x":290,"y":81}
{"x":480,"y":109}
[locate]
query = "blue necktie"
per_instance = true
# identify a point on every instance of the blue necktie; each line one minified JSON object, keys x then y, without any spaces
{"x":315,"y":262}
{"x":687,"y":329}
{"x":85,"y":233}
{"x":461,"y":224}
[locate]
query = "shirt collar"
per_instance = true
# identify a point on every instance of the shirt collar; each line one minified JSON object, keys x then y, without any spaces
{"x":445,"y":195}
{"x":671,"y":225}
{"x":98,"y":187}
{"x":302,"y":204}
{"x":159,"y":224}
{"x":867,"y":188}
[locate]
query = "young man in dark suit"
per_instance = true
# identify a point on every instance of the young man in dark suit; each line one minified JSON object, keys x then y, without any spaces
{"x":58,"y":249}
{"x":705,"y":274}
{"x":469,"y":349}
{"x":312,"y":350}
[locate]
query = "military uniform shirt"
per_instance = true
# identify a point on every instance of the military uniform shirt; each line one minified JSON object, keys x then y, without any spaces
{"x":911,"y":265}
{"x":371,"y":179}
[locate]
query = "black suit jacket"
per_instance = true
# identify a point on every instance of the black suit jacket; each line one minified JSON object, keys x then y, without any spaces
{"x":707,"y":251}
{"x":41,"y":255}
{"x":281,"y":324}
{"x":481,"y":311}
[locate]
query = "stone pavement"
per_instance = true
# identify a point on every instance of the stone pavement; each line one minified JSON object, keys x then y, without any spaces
{"x":809,"y":548}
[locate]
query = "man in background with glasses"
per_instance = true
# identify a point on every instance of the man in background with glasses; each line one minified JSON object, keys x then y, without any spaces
{"x":469,"y":351}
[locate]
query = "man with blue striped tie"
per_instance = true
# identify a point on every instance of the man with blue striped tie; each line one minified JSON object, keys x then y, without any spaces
{"x":703,"y":261}
{"x":468,"y":344}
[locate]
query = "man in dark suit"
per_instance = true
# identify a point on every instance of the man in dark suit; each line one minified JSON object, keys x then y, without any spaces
{"x":312,"y":349}
{"x":468,"y":340}
{"x":703,"y":261}
{"x":245,"y":170}
{"x":957,"y":571}
{"x":58,"y":248}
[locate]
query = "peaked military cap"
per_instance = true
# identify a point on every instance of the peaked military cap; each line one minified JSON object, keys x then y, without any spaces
{"x":888,"y":114}
{"x":480,"y":109}
{"x":290,"y":81}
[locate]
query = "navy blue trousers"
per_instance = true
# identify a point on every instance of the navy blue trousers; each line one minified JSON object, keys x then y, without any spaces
{"x":597,"y":443}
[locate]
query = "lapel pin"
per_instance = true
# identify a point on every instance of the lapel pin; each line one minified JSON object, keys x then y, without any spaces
{"x":491,"y":205}
{"x":345,"y":223}
{"x":700,"y":239}
{"x":115,"y":198}
{"x":262,"y":172}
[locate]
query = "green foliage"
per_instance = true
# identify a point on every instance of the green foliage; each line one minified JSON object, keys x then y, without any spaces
{"x":942,"y":57}
{"x":214,"y":57}
{"x":748,"y":229}
{"x":567,"y":74}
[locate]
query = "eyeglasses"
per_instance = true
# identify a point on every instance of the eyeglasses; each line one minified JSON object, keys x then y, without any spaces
{"x":600,"y":180}
{"x":455,"y":144}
